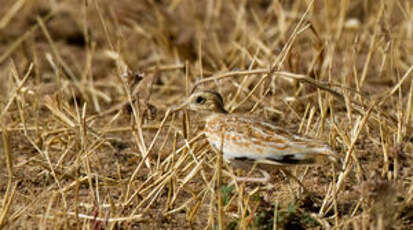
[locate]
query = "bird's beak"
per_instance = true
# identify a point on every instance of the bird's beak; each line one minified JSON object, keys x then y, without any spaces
{"x":179,"y":107}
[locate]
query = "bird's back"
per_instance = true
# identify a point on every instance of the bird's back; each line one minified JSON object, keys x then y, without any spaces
{"x":248,"y":139}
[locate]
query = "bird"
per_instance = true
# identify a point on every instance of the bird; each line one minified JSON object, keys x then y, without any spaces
{"x":247,"y":140}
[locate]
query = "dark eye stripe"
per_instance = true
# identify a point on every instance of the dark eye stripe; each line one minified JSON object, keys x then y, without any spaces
{"x":216,"y":94}
{"x":200,"y":100}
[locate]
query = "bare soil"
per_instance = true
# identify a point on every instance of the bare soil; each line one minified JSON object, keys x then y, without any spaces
{"x":88,"y":140}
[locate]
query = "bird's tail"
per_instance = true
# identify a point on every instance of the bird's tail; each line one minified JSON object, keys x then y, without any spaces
{"x":300,"y":157}
{"x":326,"y":154}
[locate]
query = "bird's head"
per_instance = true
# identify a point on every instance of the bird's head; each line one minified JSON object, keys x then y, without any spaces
{"x":204,"y":101}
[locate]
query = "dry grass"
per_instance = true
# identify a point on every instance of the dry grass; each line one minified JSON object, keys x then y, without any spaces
{"x":88,"y":141}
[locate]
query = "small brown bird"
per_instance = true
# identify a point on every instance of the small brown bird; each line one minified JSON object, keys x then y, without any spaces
{"x":247,"y":141}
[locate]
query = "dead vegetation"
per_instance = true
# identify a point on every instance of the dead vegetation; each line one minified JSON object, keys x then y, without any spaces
{"x":89,"y":142}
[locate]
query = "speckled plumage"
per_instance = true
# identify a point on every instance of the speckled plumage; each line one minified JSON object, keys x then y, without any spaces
{"x":248,"y":140}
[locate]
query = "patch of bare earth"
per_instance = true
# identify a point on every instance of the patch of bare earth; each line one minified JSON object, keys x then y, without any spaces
{"x":88,"y":140}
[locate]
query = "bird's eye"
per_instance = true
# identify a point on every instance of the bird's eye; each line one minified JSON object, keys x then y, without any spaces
{"x":200,"y":100}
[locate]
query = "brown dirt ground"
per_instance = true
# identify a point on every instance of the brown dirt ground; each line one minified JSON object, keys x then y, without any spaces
{"x":85,"y":86}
